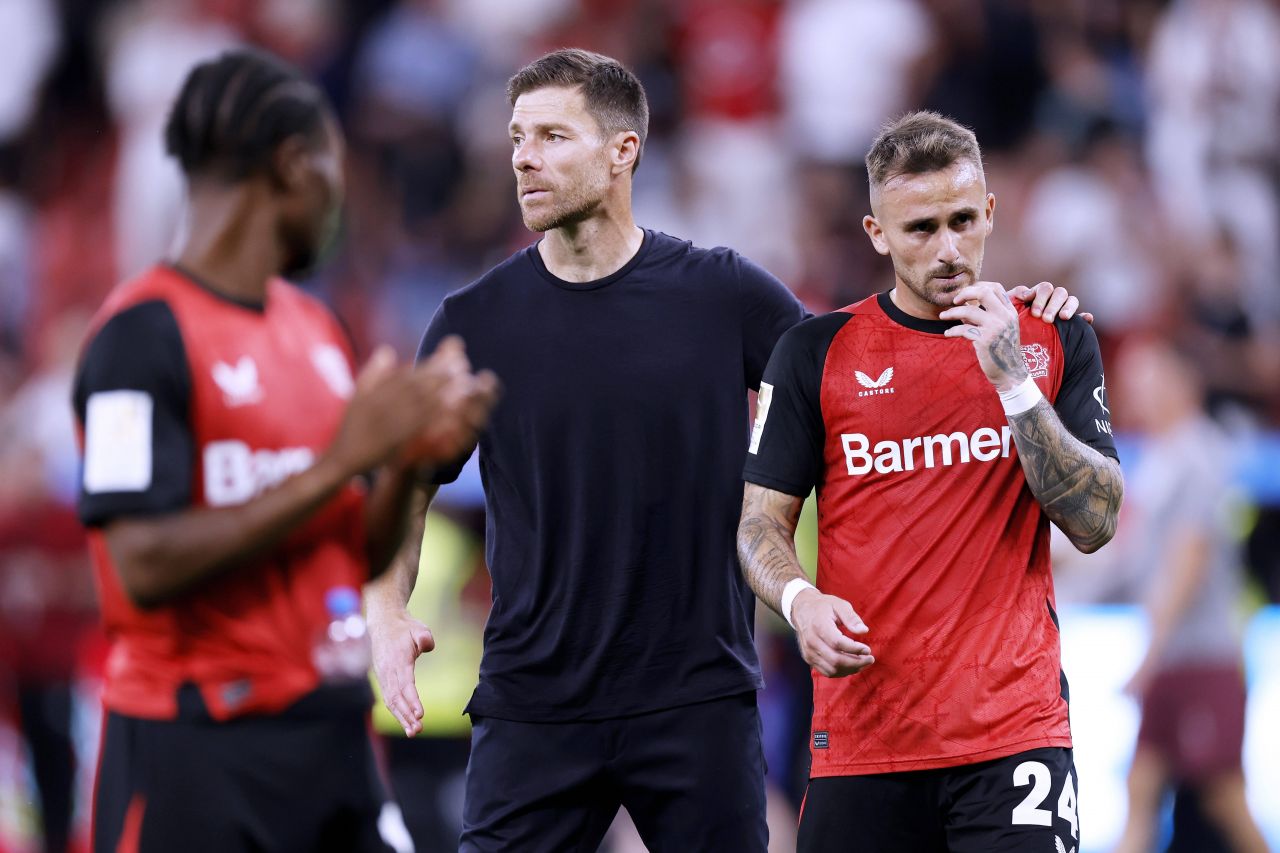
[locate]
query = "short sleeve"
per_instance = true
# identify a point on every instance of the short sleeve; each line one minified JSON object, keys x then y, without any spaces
{"x":437,"y":330}
{"x":132,"y":397}
{"x":785,"y":453}
{"x":768,"y":310}
{"x":1082,"y":401}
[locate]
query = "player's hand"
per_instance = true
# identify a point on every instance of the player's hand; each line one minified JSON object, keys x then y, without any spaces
{"x":452,"y":425}
{"x":398,"y":640}
{"x":382,"y":413}
{"x":1049,"y":303}
{"x":823,"y":625}
{"x":989,"y":320}
{"x":413,"y":414}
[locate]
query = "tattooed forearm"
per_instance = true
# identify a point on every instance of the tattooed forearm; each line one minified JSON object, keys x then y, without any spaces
{"x":1005,"y":350}
{"x":766,"y":542}
{"x":1079,"y":488}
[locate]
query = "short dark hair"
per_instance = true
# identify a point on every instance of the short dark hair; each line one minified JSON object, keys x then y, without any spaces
{"x":920,"y":142}
{"x":234,"y":110}
{"x":614,"y":96}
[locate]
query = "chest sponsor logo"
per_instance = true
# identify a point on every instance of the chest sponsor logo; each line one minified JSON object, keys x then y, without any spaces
{"x":239,"y":382}
{"x":926,"y":451}
{"x":879,"y":385}
{"x":334,"y":369}
{"x":1036,"y":357}
{"x":235,"y":473}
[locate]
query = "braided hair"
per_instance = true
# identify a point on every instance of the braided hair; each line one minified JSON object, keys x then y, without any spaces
{"x":234,"y":110}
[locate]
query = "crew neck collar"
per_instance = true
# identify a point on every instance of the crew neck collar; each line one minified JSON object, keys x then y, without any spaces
{"x":918,"y":324}
{"x":259,"y":307}
{"x":536,"y":257}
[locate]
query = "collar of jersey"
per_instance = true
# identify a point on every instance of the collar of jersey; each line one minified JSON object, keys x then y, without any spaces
{"x":902,"y":318}
{"x":541,"y":267}
{"x":185,"y":274}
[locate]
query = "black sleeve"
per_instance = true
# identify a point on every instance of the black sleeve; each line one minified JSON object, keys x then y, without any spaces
{"x":135,"y":364}
{"x":786,"y":441}
{"x":768,"y":310}
{"x":438,"y":329}
{"x":1082,"y":401}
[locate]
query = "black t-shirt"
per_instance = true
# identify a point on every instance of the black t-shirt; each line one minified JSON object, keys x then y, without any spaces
{"x":611,"y":473}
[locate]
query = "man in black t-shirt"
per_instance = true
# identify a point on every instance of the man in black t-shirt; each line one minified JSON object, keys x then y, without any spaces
{"x":618,"y":667}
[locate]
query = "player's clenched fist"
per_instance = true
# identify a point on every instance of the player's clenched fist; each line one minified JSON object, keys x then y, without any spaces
{"x":823,"y":624}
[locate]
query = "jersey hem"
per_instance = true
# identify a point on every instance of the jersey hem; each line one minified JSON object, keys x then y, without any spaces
{"x":526,"y":714}
{"x":937,"y":762}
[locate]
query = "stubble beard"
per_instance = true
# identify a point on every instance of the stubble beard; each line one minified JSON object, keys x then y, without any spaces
{"x":578,"y":208}
{"x":926,"y":288}
{"x":577,"y":202}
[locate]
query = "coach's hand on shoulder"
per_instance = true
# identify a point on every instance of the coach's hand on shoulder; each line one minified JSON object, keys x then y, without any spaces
{"x":398,"y":641}
{"x":1049,"y":303}
{"x":823,"y":624}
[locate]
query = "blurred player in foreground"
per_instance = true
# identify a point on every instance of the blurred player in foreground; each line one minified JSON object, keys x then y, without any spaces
{"x":618,"y":664}
{"x":223,"y":438}
{"x":943,"y":428}
{"x":1177,"y":533}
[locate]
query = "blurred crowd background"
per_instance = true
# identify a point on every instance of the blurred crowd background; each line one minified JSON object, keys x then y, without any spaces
{"x":1132,"y":146}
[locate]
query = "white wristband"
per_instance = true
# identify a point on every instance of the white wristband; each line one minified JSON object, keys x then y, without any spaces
{"x":794,"y":587}
{"x":1021,"y":399}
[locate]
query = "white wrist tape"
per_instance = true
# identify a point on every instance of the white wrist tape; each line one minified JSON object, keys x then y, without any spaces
{"x":1021,"y":399}
{"x":794,"y":587}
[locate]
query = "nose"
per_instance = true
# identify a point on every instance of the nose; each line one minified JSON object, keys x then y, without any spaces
{"x":948,"y":246}
{"x":525,"y":157}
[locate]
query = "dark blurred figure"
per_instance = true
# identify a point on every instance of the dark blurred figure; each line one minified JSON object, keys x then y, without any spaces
{"x":1177,"y":534}
{"x":990,"y":71}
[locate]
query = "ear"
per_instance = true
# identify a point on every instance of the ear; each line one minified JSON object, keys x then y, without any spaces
{"x":290,"y":163}
{"x":991,"y":212}
{"x":872,"y":226}
{"x":624,"y":149}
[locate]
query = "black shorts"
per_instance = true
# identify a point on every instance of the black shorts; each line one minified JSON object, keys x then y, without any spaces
{"x":1026,"y":802}
{"x":269,"y":784}
{"x":692,"y":778}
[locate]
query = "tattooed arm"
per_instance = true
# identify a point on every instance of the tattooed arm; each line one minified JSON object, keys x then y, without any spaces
{"x":1078,"y":488}
{"x":766,"y":542}
{"x":767,"y":551}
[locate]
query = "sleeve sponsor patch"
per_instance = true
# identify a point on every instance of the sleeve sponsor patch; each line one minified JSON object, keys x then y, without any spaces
{"x":762,"y":413}
{"x":117,"y":442}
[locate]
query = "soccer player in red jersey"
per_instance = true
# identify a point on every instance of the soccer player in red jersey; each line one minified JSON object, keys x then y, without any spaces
{"x":944,"y":429}
{"x":224,"y":439}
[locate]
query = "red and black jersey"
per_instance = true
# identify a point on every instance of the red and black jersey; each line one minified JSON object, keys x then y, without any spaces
{"x":927,"y":527}
{"x":185,"y":398}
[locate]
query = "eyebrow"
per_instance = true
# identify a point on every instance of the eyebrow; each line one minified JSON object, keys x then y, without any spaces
{"x":537,"y":126}
{"x":925,"y":220}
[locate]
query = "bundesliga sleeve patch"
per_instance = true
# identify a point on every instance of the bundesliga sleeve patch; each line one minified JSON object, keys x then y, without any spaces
{"x":762,"y":412}
{"x":117,"y":442}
